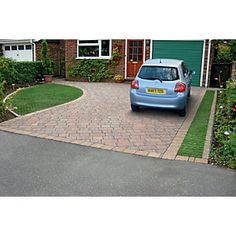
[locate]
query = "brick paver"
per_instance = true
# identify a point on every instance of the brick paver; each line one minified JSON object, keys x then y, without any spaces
{"x":102,"y":118}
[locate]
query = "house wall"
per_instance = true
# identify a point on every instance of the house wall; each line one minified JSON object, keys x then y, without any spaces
{"x":56,"y":52}
{"x":71,"y":55}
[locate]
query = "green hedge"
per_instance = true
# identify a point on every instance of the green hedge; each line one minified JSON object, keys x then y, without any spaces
{"x":224,"y":145}
{"x":14,"y":72}
{"x":2,"y":105}
{"x":92,"y":69}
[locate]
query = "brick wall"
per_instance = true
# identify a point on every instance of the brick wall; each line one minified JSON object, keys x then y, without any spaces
{"x":233,"y":72}
{"x":120,"y":68}
{"x":205,"y":63}
{"x":71,"y":54}
{"x":56,"y":52}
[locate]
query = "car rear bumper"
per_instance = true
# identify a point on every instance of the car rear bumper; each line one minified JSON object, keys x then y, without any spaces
{"x":176,"y":103}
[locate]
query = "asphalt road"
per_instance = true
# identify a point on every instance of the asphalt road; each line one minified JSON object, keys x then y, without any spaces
{"x":38,"y":167}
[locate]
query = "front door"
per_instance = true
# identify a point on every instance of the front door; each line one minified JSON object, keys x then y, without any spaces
{"x":134,"y":57}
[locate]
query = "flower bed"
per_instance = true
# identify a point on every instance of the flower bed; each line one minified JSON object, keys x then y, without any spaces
{"x":223,"y":151}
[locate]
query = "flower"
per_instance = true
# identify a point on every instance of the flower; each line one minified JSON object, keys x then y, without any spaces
{"x":227,"y":133}
{"x":221,"y":107}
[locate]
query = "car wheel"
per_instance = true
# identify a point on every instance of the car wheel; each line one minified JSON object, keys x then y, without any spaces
{"x":182,"y":112}
{"x":189,"y":93}
{"x":134,"y":107}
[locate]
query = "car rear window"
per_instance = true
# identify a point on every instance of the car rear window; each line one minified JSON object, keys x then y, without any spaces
{"x":158,"y":72}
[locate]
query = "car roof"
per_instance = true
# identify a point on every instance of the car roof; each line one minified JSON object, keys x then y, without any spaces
{"x":163,"y":62}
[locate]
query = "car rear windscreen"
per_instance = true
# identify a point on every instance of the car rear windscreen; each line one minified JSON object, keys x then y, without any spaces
{"x":158,"y":72}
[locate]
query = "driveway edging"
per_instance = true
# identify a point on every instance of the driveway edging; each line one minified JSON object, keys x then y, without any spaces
{"x":172,"y":150}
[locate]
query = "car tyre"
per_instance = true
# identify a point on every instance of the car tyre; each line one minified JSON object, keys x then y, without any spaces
{"x":182,"y":112}
{"x":134,"y":107}
{"x":189,"y":93}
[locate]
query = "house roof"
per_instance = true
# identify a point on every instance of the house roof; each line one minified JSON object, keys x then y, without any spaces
{"x":10,"y":41}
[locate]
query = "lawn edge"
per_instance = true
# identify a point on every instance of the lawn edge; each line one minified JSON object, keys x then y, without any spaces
{"x":207,"y":145}
{"x":172,"y":150}
{"x":46,"y":109}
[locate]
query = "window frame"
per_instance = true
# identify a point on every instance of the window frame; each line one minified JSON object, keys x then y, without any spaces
{"x":99,"y":44}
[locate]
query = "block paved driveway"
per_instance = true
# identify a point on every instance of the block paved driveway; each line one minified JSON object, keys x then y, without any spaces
{"x":102,"y":118}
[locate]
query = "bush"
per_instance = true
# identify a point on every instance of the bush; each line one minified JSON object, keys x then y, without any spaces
{"x":14,"y":72}
{"x":92,"y":69}
{"x":224,"y":146}
{"x":47,"y":64}
{"x":2,"y":105}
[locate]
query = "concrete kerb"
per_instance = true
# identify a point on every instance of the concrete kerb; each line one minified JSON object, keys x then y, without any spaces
{"x":207,"y":146}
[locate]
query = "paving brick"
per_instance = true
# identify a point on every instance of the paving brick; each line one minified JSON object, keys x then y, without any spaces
{"x":182,"y":158}
{"x":102,"y":118}
{"x":201,"y":160}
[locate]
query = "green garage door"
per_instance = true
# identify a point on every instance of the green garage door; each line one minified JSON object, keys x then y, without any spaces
{"x":189,"y":51}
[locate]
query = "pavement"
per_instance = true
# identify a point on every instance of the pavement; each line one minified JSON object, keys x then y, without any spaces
{"x":32,"y":166}
{"x":102,"y":118}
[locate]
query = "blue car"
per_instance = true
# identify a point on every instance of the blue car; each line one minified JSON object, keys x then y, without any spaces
{"x":161,"y":83}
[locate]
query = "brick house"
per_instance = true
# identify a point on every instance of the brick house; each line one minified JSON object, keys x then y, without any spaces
{"x":134,"y":52}
{"x":196,"y":53}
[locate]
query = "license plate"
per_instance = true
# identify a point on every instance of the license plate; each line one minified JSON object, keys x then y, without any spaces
{"x":156,"y":91}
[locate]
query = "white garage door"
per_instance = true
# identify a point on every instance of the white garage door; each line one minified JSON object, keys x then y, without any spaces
{"x":18,"y":52}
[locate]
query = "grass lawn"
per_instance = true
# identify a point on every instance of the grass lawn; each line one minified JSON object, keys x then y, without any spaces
{"x":194,"y":140}
{"x":43,"y":96}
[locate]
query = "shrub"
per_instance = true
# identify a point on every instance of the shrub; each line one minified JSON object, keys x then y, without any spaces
{"x":2,"y":105}
{"x":14,"y":72}
{"x":7,"y":70}
{"x":224,"y":53}
{"x":92,"y":69}
{"x":47,"y":63}
{"x":224,"y":148}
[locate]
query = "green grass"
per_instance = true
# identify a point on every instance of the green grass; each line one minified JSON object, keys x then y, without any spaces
{"x":43,"y":96}
{"x":194,"y":140}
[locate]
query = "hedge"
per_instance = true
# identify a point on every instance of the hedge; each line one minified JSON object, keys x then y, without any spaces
{"x":92,"y":69}
{"x":14,"y":72}
{"x":2,"y":105}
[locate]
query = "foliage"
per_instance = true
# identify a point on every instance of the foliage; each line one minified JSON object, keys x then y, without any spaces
{"x":14,"y":72}
{"x":224,"y":145}
{"x":43,"y":96}
{"x":2,"y":105}
{"x":94,"y":70}
{"x":48,"y":66}
{"x":118,"y":78}
{"x":194,"y":140}
{"x":224,"y":53}
{"x":91,"y":69}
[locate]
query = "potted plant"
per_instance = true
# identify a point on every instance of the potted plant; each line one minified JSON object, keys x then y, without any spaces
{"x":47,"y":63}
{"x":118,"y":78}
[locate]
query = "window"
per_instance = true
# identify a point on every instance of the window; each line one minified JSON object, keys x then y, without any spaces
{"x":159,"y":72}
{"x":7,"y":48}
{"x":28,"y":47}
{"x":21,"y":47}
{"x":13,"y":47}
{"x":94,"y":49}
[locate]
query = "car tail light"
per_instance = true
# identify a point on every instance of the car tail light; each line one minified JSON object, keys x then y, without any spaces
{"x":180,"y":87}
{"x":134,"y":84}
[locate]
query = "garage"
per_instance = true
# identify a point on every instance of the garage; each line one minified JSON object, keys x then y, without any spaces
{"x":191,"y":51}
{"x":19,"y":51}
